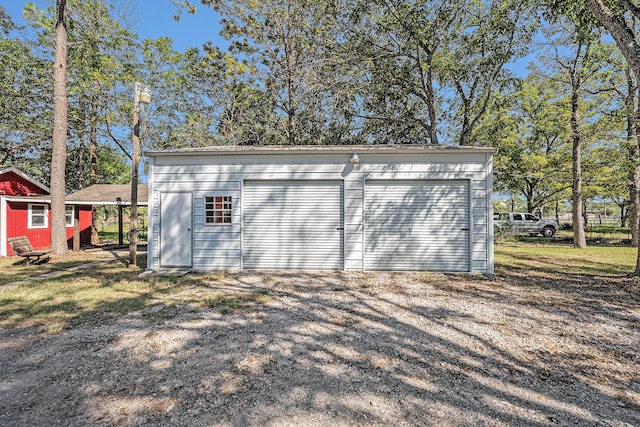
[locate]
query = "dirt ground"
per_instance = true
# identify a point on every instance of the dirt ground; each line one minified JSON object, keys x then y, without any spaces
{"x":318,"y":349}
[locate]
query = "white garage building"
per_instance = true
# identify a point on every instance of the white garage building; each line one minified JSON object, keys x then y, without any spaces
{"x":321,"y":208}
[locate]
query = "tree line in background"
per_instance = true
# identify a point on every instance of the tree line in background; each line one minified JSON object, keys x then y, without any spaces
{"x":344,"y":72}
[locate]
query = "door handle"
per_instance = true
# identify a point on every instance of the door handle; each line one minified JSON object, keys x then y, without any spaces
{"x":339,"y":228}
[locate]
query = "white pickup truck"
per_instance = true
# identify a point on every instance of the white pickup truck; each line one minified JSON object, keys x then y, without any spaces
{"x":520,"y":223}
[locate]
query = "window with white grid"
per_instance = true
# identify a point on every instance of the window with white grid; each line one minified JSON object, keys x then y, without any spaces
{"x":217,"y":209}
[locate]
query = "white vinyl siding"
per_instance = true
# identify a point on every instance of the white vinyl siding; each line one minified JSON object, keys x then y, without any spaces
{"x":217,"y":246}
{"x":417,"y":225}
{"x":292,"y":224}
{"x":256,"y":181}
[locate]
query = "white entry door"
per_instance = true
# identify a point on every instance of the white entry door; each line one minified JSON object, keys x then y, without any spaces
{"x":175,"y":229}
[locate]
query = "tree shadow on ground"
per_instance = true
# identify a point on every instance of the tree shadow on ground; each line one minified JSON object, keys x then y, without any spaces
{"x":331,"y":348}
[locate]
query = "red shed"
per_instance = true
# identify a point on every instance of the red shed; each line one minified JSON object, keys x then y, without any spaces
{"x":25,"y":211}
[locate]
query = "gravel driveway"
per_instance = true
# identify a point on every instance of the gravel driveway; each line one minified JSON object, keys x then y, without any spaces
{"x":339,"y":348}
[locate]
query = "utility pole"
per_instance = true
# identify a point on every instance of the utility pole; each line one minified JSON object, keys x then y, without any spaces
{"x":142,"y":94}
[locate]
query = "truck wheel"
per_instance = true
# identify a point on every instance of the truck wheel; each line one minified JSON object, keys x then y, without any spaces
{"x":548,"y":231}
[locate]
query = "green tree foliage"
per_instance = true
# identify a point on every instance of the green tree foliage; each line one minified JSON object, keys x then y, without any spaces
{"x":25,"y":97}
{"x":6,"y":23}
{"x":180,"y":114}
{"x":611,"y":182}
{"x":398,"y":48}
{"x":286,"y":42}
{"x":619,"y":18}
{"x":577,"y":71}
{"x":302,"y":72}
{"x":492,"y":35}
{"x":429,"y":68}
{"x":531,"y":130}
{"x":100,"y":55}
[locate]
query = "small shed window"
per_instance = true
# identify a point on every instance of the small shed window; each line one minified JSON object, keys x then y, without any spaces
{"x":69,"y":216}
{"x":217,"y":209}
{"x":38,"y":216}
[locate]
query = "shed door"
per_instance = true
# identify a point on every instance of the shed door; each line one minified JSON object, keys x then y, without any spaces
{"x":175,"y":229}
{"x":417,"y":225}
{"x":292,"y":224}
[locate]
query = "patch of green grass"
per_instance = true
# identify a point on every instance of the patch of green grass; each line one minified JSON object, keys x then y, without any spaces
{"x":594,"y":260}
{"x":92,"y":295}
{"x":217,"y":276}
{"x":230,"y":303}
{"x":108,"y":229}
{"x":161,"y":312}
{"x":110,"y":290}
{"x":608,"y":229}
{"x":596,"y":235}
{"x":13,"y":269}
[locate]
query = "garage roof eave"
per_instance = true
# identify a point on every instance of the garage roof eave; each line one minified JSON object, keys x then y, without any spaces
{"x":315,"y":149}
{"x":28,"y":199}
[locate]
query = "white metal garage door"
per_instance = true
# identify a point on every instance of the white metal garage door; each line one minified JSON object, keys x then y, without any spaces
{"x":417,"y":225}
{"x":292,"y":224}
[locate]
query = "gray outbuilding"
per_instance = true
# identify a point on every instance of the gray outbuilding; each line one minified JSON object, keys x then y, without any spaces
{"x":425,"y":208}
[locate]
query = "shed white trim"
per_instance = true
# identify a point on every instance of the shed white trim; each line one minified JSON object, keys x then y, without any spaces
{"x":36,"y":213}
{"x":3,"y":226}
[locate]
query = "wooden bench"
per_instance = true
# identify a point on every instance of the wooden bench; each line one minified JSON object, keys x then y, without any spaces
{"x":21,"y":246}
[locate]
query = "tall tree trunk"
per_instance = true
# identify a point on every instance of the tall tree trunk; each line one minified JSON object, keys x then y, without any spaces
{"x":636,"y":180}
{"x":628,"y":45}
{"x":59,"y":155}
{"x":431,"y":108}
{"x":93,"y":158}
{"x":579,"y":239}
{"x":530,"y":194}
{"x":426,"y":86}
{"x":291,"y":124}
{"x":621,"y":33}
{"x":291,"y":95}
{"x":632,"y":155}
{"x":464,"y":140}
{"x":632,"y":212}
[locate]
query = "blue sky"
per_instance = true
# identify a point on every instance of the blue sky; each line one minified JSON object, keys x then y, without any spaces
{"x":155,"y":19}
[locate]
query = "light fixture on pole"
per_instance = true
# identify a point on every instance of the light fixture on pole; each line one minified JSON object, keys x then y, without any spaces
{"x":142,"y":95}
